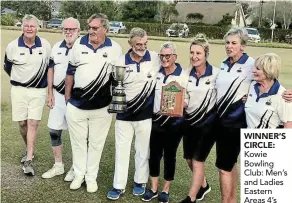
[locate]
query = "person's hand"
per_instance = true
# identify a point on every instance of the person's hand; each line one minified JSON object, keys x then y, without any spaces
{"x":51,"y":101}
{"x":287,"y":95}
{"x":185,"y":105}
{"x":244,"y":98}
{"x":67,"y":99}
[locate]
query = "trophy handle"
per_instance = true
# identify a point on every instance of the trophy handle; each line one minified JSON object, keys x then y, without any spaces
{"x":127,"y":68}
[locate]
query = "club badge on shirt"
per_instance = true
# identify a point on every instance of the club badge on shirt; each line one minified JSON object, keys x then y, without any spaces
{"x":104,"y":55}
{"x":207,"y":82}
{"x":239,"y":70}
{"x":269,"y":102}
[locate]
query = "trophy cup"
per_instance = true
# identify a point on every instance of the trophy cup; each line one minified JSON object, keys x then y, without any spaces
{"x":118,"y":103}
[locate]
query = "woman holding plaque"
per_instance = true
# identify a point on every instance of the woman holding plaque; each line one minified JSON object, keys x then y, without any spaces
{"x":200,"y":114}
{"x":265,"y":107}
{"x":165,"y":133}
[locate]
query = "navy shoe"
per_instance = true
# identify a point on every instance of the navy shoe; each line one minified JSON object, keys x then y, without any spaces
{"x":163,"y":197}
{"x":139,"y":189}
{"x":149,"y":195}
{"x":114,"y":194}
{"x":203,"y":191}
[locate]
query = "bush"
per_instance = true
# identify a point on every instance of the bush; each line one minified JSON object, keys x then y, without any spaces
{"x":8,"y":19}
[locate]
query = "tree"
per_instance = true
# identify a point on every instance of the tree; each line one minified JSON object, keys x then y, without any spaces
{"x":41,"y":9}
{"x":143,"y":11}
{"x":84,"y":9}
{"x":226,"y":20}
{"x":167,"y":11}
{"x":197,"y":17}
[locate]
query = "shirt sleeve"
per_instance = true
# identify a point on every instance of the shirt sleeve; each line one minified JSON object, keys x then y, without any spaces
{"x":285,"y":111}
{"x":74,"y":60}
{"x":51,"y":60}
{"x":8,"y":59}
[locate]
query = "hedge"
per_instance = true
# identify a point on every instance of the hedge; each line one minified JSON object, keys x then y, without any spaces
{"x":212,"y":32}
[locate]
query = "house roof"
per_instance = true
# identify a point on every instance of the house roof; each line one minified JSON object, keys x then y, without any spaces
{"x":212,"y":11}
{"x":7,"y":11}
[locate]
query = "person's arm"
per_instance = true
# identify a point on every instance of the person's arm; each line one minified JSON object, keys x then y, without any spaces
{"x":287,"y":95}
{"x":288,"y":124}
{"x":8,"y":60}
{"x":51,"y":98}
{"x":68,"y":86}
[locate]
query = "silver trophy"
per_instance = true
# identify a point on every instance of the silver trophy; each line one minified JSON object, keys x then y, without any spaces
{"x":118,"y":103}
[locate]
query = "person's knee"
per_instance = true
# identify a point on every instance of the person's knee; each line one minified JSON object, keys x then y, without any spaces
{"x":55,"y":137}
{"x":22,"y":124}
{"x":32,"y":124}
{"x":198,"y":164}
{"x":224,"y":173}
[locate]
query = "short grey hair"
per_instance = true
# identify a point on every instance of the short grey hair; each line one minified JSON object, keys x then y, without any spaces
{"x":169,"y":45}
{"x":270,"y":64}
{"x":103,"y":19}
{"x":73,"y":19}
{"x":137,"y":32}
{"x":240,"y":32}
{"x":31,"y":17}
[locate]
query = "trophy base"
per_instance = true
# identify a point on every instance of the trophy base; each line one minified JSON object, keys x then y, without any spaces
{"x":117,"y":108}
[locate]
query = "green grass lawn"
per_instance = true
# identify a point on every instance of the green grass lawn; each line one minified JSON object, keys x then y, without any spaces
{"x":16,"y":188}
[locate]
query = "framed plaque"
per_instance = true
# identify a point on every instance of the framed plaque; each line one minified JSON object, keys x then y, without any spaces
{"x":172,"y":100}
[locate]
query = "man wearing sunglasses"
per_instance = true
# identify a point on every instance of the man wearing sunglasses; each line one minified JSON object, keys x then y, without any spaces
{"x":88,"y":120}
{"x":56,"y":94}
{"x":142,"y":67}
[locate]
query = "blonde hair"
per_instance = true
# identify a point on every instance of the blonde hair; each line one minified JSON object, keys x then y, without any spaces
{"x":239,"y":32}
{"x":270,"y":64}
{"x":201,"y":40}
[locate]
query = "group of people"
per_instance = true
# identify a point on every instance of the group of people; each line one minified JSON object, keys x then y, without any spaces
{"x":77,"y":72}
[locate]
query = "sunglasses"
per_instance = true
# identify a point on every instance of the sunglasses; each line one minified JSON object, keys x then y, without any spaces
{"x":167,"y":56}
{"x":93,"y":28}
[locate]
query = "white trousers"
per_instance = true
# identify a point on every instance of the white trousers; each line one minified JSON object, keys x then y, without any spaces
{"x":124,"y":132}
{"x":88,"y":131}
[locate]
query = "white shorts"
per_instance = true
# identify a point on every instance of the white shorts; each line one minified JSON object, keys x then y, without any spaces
{"x":27,"y":103}
{"x":57,"y":119}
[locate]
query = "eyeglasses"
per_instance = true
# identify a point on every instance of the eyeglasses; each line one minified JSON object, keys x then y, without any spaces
{"x":94,"y":28}
{"x":69,"y":29}
{"x":167,"y":56}
{"x":29,"y":26}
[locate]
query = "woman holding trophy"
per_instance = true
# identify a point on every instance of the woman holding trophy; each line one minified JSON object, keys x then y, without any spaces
{"x":166,"y":121}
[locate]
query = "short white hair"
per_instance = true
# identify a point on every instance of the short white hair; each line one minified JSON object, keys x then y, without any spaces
{"x":31,"y":17}
{"x":169,"y":45}
{"x":73,"y":19}
{"x":137,"y":32}
{"x":240,"y":32}
{"x":270,"y":64}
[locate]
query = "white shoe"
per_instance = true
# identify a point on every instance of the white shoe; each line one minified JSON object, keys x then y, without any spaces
{"x":70,"y":175}
{"x":91,"y":186}
{"x":76,"y":183}
{"x":55,"y":171}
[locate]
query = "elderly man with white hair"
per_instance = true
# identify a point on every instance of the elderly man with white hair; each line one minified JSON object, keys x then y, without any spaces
{"x":26,"y":62}
{"x":56,"y":89}
{"x":142,"y":67}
